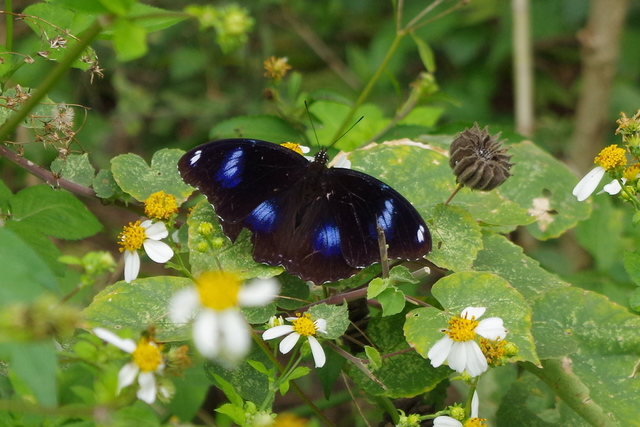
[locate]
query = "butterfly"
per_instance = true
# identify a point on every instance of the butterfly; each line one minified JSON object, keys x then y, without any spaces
{"x":320,"y":223}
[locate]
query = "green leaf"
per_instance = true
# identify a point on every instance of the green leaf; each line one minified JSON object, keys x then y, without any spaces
{"x":602,"y":234}
{"x":5,"y":195}
{"x":258,"y":315}
{"x":425,"y":52}
{"x":137,"y":305}
{"x":501,"y":257}
{"x":234,"y":412}
{"x":140,"y":180}
{"x":471,"y":289}
{"x":294,"y":289}
{"x":337,"y":317}
{"x":24,"y":274}
{"x":401,"y":274}
{"x":424,"y":116}
{"x":85,"y":6}
{"x":34,"y":363}
{"x":421,"y":173}
{"x":228,"y":390}
{"x":129,"y":40}
{"x":75,"y":168}
{"x":119,"y":7}
{"x":41,"y":244}
{"x":191,"y":390}
{"x":236,"y":257}
{"x":331,"y":115}
{"x":543,"y":186}
{"x":299,"y":372}
{"x":267,"y":128}
{"x":632,"y":265}
{"x":456,"y":238}
{"x":245,"y":380}
{"x":376,"y":287}
{"x":406,"y":374}
{"x":375,"y":360}
{"x":54,"y":213}
{"x":105,"y":185}
{"x":392,"y":301}
{"x":603,"y":354}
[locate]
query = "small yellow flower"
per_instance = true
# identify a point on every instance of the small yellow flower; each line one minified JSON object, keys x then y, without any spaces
{"x":160,"y":205}
{"x":276,"y":68}
{"x":300,"y":149}
{"x":611,"y":157}
{"x":137,"y":235}
{"x":631,"y":172}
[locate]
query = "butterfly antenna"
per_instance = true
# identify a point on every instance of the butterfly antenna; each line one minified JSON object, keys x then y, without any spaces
{"x":347,"y":131}
{"x":306,"y":105}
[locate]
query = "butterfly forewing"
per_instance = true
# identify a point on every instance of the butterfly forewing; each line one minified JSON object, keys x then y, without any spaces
{"x":237,"y":175}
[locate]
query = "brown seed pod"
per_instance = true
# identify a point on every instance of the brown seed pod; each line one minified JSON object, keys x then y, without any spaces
{"x":477,"y":159}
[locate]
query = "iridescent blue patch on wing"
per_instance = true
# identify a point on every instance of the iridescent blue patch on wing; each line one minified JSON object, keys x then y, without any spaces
{"x":326,"y":240}
{"x":230,"y":173}
{"x":263,"y":218}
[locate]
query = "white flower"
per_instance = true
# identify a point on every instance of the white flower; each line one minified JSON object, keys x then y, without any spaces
{"x":446,"y":421}
{"x":219,"y":330}
{"x":588,"y":184}
{"x":302,"y":326}
{"x":148,"y":235}
{"x":341,"y":161}
{"x":613,"y":187}
{"x":146,"y":364}
{"x":459,"y":347}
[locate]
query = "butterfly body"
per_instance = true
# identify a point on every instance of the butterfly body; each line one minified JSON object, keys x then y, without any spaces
{"x":320,"y":223}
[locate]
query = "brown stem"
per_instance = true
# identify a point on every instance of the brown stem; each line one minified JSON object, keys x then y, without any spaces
{"x":46,"y":175}
{"x":600,"y":48}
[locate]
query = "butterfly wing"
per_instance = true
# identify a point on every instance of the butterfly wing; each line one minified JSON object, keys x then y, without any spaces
{"x":239,"y":176}
{"x":359,"y":203}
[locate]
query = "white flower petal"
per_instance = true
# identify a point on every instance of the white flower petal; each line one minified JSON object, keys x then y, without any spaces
{"x":445,"y":421}
{"x":588,"y":184}
{"x":258,"y":293}
{"x":236,"y":336}
{"x":440,"y":350}
{"x":277,"y":331}
{"x":127,"y":375}
{"x":147,"y":390}
{"x":476,"y":363}
{"x":470,"y":312}
{"x":155,"y":230}
{"x":341,"y":161}
{"x":131,"y":265}
{"x":613,"y":187}
{"x":158,"y":251}
{"x":184,"y":305}
{"x":289,"y":342}
{"x":491,"y":328}
{"x":321,"y":325}
{"x":206,"y":334}
{"x":475,"y":404}
{"x":318,"y":353}
{"x":458,"y":355}
{"x":124,"y":344}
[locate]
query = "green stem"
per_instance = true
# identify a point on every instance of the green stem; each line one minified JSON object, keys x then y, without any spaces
{"x":8,"y":7}
{"x":571,"y":390}
{"x":387,"y":405}
{"x":50,"y":80}
{"x":372,"y":81}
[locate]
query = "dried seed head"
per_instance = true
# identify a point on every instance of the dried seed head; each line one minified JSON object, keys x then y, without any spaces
{"x":478,"y":161}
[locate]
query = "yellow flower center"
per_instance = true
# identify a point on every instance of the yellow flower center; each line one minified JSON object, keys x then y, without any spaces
{"x":304,"y":325}
{"x":160,"y":205}
{"x":461,"y":329}
{"x":288,"y":419}
{"x":494,"y":351}
{"x":632,"y":172}
{"x":293,"y":146}
{"x":132,"y":237}
{"x":147,"y":355}
{"x":218,"y":289}
{"x":276,"y":68}
{"x":611,"y":157}
{"x":475,"y":422}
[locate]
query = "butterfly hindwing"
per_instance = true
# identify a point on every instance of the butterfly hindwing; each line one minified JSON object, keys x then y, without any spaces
{"x":359,"y":203}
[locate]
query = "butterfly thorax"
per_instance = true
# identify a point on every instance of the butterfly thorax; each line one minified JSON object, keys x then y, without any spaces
{"x":311,"y":187}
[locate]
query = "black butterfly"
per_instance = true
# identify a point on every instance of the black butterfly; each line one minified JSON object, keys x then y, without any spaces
{"x":319,"y":223}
